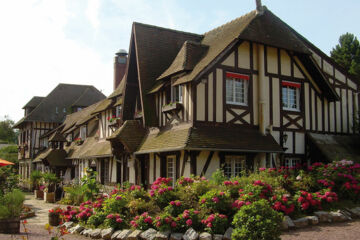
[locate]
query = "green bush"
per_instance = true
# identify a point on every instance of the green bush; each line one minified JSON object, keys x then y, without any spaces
{"x":116,"y":204}
{"x":75,"y":194}
{"x":96,"y":219}
{"x":257,"y":221}
{"x":11,"y":204}
{"x":35,"y":178}
{"x":50,"y":180}
{"x":216,"y":201}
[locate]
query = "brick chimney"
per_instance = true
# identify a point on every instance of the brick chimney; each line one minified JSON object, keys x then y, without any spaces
{"x":120,"y":62}
{"x":259,"y":7}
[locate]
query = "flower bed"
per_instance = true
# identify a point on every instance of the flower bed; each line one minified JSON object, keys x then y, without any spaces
{"x":205,"y":205}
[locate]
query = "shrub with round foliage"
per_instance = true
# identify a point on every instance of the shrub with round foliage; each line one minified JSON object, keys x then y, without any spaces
{"x":216,"y":223}
{"x":257,"y":221}
{"x":175,"y":208}
{"x":96,"y":219}
{"x":116,"y":204}
{"x":142,"y":222}
{"x":115,"y":221}
{"x":164,"y":222}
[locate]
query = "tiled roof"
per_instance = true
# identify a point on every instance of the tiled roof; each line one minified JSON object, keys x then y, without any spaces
{"x":55,"y":106}
{"x":53,"y":158}
{"x":103,"y":105}
{"x":209,"y":138}
{"x":130,"y":134}
{"x":91,"y":148}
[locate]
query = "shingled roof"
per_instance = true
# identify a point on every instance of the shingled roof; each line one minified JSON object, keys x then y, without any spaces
{"x":189,"y":55}
{"x":263,"y":28}
{"x":130,"y":134}
{"x":55,"y":106}
{"x":188,"y":137}
{"x":33,"y":102}
{"x":156,"y":48}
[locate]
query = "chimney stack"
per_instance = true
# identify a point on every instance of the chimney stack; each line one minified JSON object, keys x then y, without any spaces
{"x":259,"y":7}
{"x":120,"y":62}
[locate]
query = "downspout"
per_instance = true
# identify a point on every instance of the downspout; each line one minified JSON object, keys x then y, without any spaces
{"x":261,"y":88}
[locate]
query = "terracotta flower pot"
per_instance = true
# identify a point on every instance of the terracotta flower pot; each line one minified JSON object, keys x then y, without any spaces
{"x":39,"y":194}
{"x":10,"y":226}
{"x":54,"y":219}
{"x":49,"y":197}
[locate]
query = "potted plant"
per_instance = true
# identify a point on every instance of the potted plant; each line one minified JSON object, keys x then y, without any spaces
{"x":35,"y":179}
{"x":54,"y":216}
{"x":11,"y":205}
{"x":50,"y":180}
{"x":78,"y":141}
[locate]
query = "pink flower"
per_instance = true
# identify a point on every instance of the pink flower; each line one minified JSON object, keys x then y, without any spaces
{"x":203,"y":200}
{"x":221,"y":193}
{"x":109,"y":216}
{"x":173,"y":224}
{"x":189,"y":222}
{"x":215,"y":199}
{"x":172,"y":203}
{"x":178,"y":203}
{"x":209,"y":225}
{"x":118,"y":198}
{"x":119,"y":220}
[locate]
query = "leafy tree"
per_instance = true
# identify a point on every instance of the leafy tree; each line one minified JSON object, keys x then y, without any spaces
{"x":347,"y":53}
{"x":7,"y":134}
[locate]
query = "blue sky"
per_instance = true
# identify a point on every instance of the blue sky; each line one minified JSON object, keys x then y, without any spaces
{"x":43,"y":43}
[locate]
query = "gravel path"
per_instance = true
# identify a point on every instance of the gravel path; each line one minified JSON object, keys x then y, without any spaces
{"x":334,"y":231}
{"x":35,"y":226}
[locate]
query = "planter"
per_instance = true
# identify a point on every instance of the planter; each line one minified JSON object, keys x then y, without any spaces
{"x":10,"y":226}
{"x":54,"y":219}
{"x":39,"y":194}
{"x":49,"y":197}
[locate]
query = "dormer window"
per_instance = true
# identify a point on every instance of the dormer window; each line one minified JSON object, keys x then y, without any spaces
{"x":237,"y":88}
{"x":177,"y":93}
{"x":291,"y":96}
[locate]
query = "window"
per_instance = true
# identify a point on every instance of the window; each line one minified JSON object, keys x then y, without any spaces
{"x":83,"y":132}
{"x":118,"y":111}
{"x":176,"y":93}
{"x":170,"y":167}
{"x":291,"y":96}
{"x":236,"y":88}
{"x":234,"y":165}
{"x":292,"y":162}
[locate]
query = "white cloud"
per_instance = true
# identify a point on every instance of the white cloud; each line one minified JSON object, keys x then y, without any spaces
{"x":92,"y":13}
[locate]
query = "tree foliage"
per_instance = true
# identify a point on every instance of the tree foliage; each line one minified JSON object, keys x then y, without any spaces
{"x":347,"y":53}
{"x":7,"y":134}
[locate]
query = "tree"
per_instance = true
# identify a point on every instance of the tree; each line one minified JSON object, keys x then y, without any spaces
{"x":7,"y":134}
{"x":347,"y":53}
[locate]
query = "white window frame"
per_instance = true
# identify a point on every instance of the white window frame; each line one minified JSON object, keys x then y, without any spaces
{"x":297,"y":96}
{"x":291,"y":162}
{"x":83,"y":132}
{"x":243,"y":102}
{"x":230,"y":167}
{"x":177,"y":93}
{"x":170,"y":168}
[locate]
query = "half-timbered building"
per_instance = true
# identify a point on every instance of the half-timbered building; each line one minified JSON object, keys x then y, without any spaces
{"x":42,"y":114}
{"x":250,"y":93}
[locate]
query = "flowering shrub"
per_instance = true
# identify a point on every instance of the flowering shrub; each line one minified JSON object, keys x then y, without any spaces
{"x":116,"y":204}
{"x":216,"y":201}
{"x":164,"y":222}
{"x":137,"y":192}
{"x":96,"y":219}
{"x":69,"y":214}
{"x":308,"y":201}
{"x":185,"y":181}
{"x":115,"y":221}
{"x":189,"y":218}
{"x":175,"y":208}
{"x":283,"y":203}
{"x":162,"y":192}
{"x":142,"y":222}
{"x":55,"y":211}
{"x":85,"y":211}
{"x":233,"y":187}
{"x":216,"y":223}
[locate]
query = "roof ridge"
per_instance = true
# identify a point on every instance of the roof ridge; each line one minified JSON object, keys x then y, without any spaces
{"x":74,"y":84}
{"x":167,"y":29}
{"x":231,"y":21}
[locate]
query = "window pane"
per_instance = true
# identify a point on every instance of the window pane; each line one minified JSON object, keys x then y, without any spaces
{"x":170,"y":167}
{"x":239,"y":91}
{"x":292,"y":98}
{"x":229,"y":90}
{"x":227,"y":168}
{"x":285,"y":97}
{"x":239,"y":166}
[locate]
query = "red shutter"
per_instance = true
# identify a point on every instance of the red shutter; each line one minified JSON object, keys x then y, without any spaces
{"x":291,"y":84}
{"x":238,"y":76}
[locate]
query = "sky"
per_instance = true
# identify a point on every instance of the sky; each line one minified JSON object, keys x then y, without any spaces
{"x":44,"y":43}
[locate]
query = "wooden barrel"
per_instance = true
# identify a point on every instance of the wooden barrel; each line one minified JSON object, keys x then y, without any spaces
{"x":54,"y":219}
{"x":10,"y":226}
